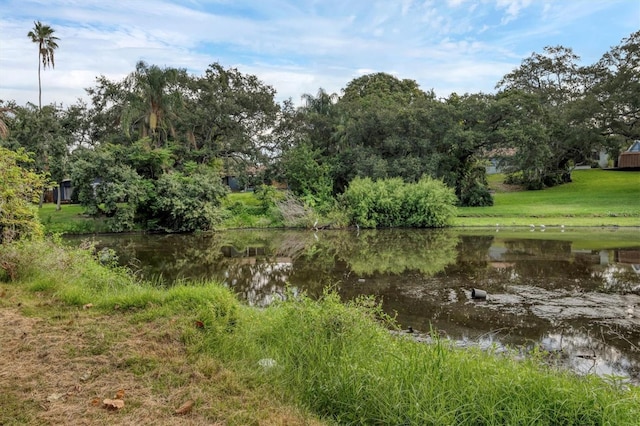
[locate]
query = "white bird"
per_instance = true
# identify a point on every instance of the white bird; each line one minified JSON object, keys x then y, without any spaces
{"x":542,"y":226}
{"x":532,"y":226}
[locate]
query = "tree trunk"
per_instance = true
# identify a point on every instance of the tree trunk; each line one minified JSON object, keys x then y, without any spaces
{"x":59,"y":201}
{"x":39,"y":90}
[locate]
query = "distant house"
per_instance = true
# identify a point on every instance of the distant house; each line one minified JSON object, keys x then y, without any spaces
{"x":601,"y":158}
{"x":67,"y":191}
{"x":51,"y":195}
{"x":496,"y":157}
{"x":630,"y":159}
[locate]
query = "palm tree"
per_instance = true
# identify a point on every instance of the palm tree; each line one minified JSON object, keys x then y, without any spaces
{"x":4,"y":129}
{"x":153,"y":101}
{"x":43,"y":35}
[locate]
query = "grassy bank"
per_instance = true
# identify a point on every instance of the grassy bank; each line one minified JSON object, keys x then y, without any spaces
{"x":595,"y":198}
{"x":99,"y":331}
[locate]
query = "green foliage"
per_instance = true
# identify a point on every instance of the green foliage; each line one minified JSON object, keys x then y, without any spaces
{"x":306,"y":176}
{"x":613,"y":100}
{"x":46,"y":133}
{"x":186,"y":203}
{"x":268,"y":196}
{"x":19,"y":189}
{"x":394,"y":203}
{"x":148,"y":161}
{"x":107,"y":186}
{"x":554,"y":128}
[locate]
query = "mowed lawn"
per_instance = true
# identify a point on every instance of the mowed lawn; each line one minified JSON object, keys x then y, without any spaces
{"x":594,"y":198}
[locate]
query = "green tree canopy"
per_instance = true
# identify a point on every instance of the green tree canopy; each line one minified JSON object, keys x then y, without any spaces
{"x":547,"y":95}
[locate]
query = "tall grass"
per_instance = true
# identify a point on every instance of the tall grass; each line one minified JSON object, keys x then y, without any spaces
{"x":336,"y":359}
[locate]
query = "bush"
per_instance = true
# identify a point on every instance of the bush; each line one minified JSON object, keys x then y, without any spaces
{"x":428,"y":203}
{"x":268,"y":196}
{"x":19,"y":189}
{"x":186,"y":203}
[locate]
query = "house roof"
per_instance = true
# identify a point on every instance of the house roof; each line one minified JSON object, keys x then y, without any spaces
{"x":635,"y":147}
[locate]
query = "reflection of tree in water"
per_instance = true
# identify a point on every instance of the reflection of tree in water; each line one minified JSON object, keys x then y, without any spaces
{"x":623,"y":276}
{"x":551,"y":261}
{"x":260,"y":282}
{"x":396,"y":251}
{"x":472,"y":256}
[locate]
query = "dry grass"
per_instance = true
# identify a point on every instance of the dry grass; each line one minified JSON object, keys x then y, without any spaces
{"x":59,"y":364}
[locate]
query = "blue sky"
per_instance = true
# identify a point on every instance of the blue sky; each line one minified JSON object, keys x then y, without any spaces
{"x":298,"y":46}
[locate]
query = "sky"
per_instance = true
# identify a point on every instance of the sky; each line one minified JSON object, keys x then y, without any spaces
{"x":300,"y":46}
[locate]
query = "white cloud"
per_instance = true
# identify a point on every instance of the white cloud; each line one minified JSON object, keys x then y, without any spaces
{"x":513,"y":8}
{"x":296,"y":46}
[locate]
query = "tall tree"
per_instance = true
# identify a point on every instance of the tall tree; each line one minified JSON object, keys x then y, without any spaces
{"x":41,"y":132}
{"x":614,"y":99}
{"x":47,"y":44}
{"x":230,"y":116}
{"x":153,"y":102}
{"x":547,"y":93}
{"x":383,"y":130}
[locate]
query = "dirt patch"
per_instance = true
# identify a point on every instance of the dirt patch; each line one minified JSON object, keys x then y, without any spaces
{"x":59,"y":368}
{"x":504,"y":187}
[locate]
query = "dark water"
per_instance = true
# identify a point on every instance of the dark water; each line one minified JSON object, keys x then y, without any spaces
{"x":574,"y":293}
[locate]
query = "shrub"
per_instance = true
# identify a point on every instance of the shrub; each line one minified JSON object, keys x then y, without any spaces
{"x":428,"y":203}
{"x":186,"y":203}
{"x":268,"y":196}
{"x":19,"y":188}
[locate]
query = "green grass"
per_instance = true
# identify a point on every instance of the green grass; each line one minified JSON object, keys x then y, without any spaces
{"x":70,"y":219}
{"x":594,"y":198}
{"x":337,"y":360}
{"x":245,"y":210}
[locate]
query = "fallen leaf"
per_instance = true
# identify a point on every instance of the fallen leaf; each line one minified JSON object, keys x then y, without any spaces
{"x":95,"y":402}
{"x":113,"y":404}
{"x":88,"y":306}
{"x":199,"y":324}
{"x":120,"y":394}
{"x":184,"y":408}
{"x":55,"y":396}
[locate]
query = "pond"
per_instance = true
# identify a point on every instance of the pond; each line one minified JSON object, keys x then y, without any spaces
{"x":572,"y":292}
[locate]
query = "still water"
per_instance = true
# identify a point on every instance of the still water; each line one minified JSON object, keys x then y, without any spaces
{"x":572,"y":292}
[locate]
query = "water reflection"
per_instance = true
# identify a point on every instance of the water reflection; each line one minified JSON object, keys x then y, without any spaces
{"x":576,"y":295}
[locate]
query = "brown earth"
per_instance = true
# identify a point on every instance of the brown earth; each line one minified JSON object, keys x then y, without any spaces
{"x":59,"y":364}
